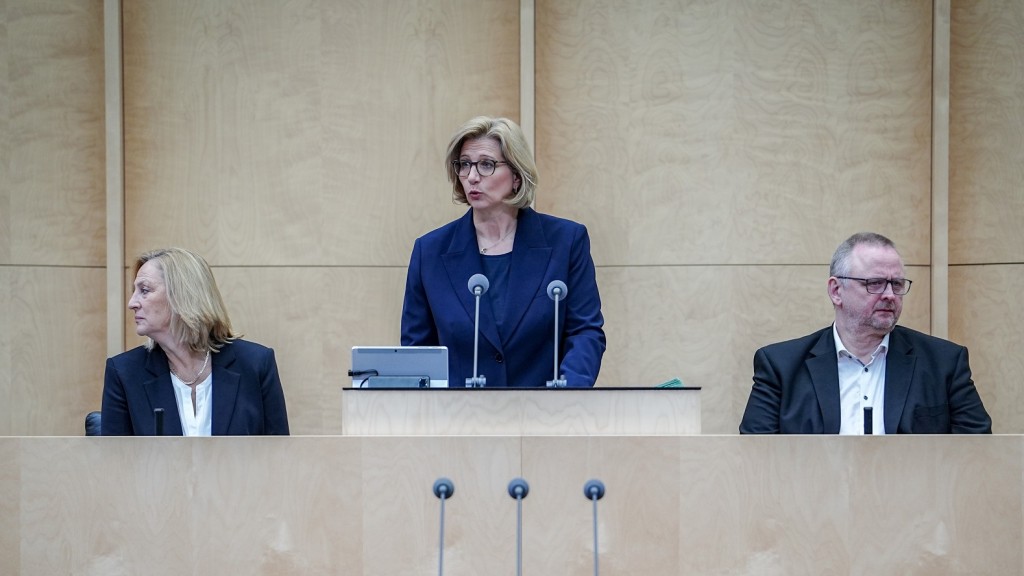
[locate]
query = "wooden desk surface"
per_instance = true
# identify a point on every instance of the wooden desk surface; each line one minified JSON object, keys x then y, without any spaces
{"x":520,"y":411}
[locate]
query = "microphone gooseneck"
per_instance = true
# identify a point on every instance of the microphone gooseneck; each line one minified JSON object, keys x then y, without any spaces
{"x":443,"y":489}
{"x":594,"y":491}
{"x":518,"y":489}
{"x":557,"y":292}
{"x":478,"y":285}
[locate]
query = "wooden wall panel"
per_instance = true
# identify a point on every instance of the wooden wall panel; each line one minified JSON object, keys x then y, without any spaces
{"x":735,"y":132}
{"x":53,"y":151}
{"x":778,"y":505}
{"x":7,"y":332}
{"x":986,"y":240}
{"x":55,"y":323}
{"x":703,"y":324}
{"x":986,"y":316}
{"x":987,"y":133}
{"x":5,"y":144}
{"x":52,"y":214}
{"x":10,"y":504}
{"x":304,"y":133}
{"x":921,"y":505}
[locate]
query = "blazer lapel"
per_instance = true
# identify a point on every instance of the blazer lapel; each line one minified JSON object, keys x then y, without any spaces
{"x":530,"y":257}
{"x":824,"y":370}
{"x":225,"y":391}
{"x":461,"y":261}
{"x":160,"y":391}
{"x":899,"y":371}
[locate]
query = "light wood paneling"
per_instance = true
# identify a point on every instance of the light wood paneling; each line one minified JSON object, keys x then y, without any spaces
{"x":8,"y":329}
{"x":51,"y":214}
{"x":940,"y":170}
{"x":10,"y":504}
{"x":304,"y":133}
{"x":987,"y":133}
{"x":114,"y":102}
{"x":702,"y":324}
{"x":735,"y":132}
{"x":521,"y":412}
{"x":52,"y":92}
{"x":5,"y":144}
{"x":774,"y":505}
{"x":480,"y":520}
{"x":903,"y":506}
{"x":53,"y":325}
{"x":987,"y":318}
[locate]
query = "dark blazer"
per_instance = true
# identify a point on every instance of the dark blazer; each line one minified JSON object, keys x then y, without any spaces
{"x":247,"y":394}
{"x":928,"y":387}
{"x":439,"y":308}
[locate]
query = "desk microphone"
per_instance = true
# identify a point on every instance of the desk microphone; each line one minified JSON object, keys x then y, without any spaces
{"x":478,"y":284}
{"x":443,"y":489}
{"x":869,"y":427}
{"x":158,"y":421}
{"x":518,"y":489}
{"x":594,"y":490}
{"x":557,"y":291}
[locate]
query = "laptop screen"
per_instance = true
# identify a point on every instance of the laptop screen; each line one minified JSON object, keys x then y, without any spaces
{"x":399,"y":367}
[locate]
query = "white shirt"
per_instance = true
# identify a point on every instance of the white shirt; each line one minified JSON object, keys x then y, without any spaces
{"x":860,"y":386}
{"x":197,"y":423}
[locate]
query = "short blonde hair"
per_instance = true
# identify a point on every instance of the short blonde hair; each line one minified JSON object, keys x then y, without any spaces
{"x":513,"y":144}
{"x":199,"y":318}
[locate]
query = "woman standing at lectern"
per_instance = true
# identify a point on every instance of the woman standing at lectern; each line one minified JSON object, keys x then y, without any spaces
{"x":520,"y":251}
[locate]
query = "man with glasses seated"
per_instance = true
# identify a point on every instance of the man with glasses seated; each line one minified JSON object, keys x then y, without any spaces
{"x":864,"y":374}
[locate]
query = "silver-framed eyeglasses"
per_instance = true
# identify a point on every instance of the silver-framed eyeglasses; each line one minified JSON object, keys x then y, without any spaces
{"x":484,"y":167}
{"x":900,"y":286}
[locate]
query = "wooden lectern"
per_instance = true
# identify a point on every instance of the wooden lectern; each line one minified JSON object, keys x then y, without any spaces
{"x":520,"y":411}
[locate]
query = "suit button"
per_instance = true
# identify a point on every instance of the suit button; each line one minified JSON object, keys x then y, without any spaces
{"x":499,"y":358}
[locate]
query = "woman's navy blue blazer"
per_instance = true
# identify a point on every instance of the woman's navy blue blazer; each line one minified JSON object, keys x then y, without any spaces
{"x":247,"y":394}
{"x":439,"y":308}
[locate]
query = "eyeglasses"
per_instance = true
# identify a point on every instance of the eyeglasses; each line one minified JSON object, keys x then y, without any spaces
{"x":900,"y":286}
{"x":484,"y":167}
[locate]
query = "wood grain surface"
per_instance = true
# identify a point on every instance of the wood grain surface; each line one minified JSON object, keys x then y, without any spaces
{"x":673,"y":505}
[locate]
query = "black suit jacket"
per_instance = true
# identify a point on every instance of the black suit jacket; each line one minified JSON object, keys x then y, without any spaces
{"x":928,"y":387}
{"x":247,"y":394}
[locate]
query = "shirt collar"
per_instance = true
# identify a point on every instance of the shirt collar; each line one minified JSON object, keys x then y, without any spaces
{"x":841,"y":350}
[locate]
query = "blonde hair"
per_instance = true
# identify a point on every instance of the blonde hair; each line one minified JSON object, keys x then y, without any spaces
{"x":513,"y":144}
{"x":199,"y":318}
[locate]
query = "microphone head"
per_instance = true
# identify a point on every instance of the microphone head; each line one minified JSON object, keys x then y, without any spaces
{"x":518,"y":488}
{"x":557,"y":290}
{"x":593,"y":489}
{"x":443,"y":488}
{"x":478,"y":281}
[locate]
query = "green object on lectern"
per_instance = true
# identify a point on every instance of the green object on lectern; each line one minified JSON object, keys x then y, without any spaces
{"x":673,"y":383}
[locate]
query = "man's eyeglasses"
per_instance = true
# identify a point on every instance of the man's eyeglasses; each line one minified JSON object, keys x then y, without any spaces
{"x":900,"y":286}
{"x":484,"y":167}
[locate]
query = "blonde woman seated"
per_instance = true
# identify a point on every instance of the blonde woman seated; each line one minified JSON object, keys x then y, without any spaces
{"x":193,"y":366}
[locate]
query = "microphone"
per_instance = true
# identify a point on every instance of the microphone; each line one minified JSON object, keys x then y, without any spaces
{"x":158,"y":421}
{"x":594,"y":490}
{"x":869,"y":427}
{"x":518,"y":489}
{"x":557,"y":291}
{"x":443,"y":489}
{"x":478,"y":284}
